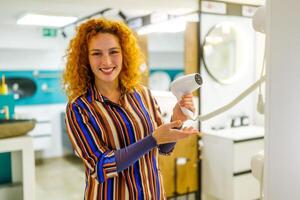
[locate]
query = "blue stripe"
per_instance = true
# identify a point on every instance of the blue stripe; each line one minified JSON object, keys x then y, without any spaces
{"x":128,"y":125}
{"x":137,"y":96}
{"x":92,"y":120}
{"x":137,"y":177}
{"x":89,"y":95}
{"x":100,"y":168}
{"x":110,"y":189}
{"x":156,"y":177}
{"x":138,"y":180}
{"x":102,"y":161}
{"x":84,"y":129}
{"x":111,"y":159}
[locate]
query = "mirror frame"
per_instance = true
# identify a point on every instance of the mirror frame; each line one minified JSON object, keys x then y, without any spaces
{"x":239,"y":73}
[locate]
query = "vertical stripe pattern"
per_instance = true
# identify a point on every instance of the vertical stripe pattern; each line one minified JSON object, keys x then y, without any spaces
{"x":97,"y":127}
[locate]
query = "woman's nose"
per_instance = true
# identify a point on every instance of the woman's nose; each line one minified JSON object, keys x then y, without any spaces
{"x":106,"y":60}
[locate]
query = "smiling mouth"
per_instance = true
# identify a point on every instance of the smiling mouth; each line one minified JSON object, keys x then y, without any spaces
{"x":107,"y":70}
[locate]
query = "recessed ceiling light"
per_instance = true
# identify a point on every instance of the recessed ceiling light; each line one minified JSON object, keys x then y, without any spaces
{"x":45,"y":20}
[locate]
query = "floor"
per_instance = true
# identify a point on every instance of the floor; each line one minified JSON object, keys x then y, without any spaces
{"x":60,"y":179}
{"x":63,"y":179}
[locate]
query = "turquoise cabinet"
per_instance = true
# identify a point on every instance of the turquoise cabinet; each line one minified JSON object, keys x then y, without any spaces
{"x":35,"y":87}
{"x":7,"y":100}
{"x":5,"y":172}
{"x":5,"y":158}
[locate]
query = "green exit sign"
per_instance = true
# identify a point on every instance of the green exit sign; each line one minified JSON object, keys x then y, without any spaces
{"x":49,"y":32}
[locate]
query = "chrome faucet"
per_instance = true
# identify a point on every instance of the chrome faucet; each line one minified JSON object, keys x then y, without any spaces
{"x":5,"y":111}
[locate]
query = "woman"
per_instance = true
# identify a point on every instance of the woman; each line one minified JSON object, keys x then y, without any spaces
{"x":113,"y":122}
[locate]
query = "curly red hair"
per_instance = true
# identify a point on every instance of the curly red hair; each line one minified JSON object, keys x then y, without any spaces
{"x":78,"y":74}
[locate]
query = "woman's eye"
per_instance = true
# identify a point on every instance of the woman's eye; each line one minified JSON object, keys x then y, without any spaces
{"x":95,"y":54}
{"x":114,"y":52}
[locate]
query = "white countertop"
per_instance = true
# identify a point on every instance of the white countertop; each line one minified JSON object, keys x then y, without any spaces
{"x":238,"y":133}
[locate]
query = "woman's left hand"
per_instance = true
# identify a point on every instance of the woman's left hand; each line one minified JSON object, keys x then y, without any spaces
{"x":187,"y":102}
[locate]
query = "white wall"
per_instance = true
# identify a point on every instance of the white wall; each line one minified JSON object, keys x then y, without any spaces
{"x":258,"y":118}
{"x":214,"y":94}
{"x":26,"y":37}
{"x":28,"y":59}
{"x":282,"y":178}
{"x":166,"y":60}
{"x":166,"y":50}
{"x":23,"y":47}
{"x":166,"y":42}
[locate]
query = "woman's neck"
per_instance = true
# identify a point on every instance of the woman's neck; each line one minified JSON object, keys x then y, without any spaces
{"x":109,"y":90}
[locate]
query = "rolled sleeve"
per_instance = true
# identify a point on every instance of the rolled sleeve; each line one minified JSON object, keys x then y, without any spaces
{"x":107,"y":166}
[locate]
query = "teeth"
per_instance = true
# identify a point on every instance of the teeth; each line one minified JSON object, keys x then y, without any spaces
{"x":107,"y":69}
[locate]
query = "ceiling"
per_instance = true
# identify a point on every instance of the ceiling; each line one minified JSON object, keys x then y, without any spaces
{"x":11,"y":9}
{"x":250,"y":2}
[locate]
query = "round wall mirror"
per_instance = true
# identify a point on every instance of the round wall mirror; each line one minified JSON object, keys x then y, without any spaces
{"x":223,"y":53}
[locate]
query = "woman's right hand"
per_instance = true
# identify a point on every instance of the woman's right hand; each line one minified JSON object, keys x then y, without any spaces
{"x":168,"y":133}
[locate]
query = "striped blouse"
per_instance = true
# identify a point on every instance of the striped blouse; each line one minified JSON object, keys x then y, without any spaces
{"x":98,"y":127}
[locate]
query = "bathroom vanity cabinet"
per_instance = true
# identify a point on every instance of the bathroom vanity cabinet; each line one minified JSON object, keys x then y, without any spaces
{"x":23,"y":168}
{"x":47,"y":132}
{"x":226,"y":156}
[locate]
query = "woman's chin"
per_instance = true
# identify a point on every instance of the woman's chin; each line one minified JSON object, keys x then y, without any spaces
{"x":106,"y":78}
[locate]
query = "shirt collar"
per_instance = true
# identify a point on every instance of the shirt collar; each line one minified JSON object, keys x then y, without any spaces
{"x":95,"y":95}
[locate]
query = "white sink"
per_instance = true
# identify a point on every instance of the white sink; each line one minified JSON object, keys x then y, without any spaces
{"x":239,"y":133}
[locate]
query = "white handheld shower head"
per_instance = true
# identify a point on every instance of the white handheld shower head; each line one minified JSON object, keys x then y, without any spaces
{"x":186,"y":84}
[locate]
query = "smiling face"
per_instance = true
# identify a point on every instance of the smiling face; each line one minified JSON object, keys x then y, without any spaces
{"x":105,"y":57}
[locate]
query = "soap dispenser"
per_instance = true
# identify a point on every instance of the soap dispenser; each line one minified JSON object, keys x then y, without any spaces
{"x":7,"y":102}
{"x":4,"y":88}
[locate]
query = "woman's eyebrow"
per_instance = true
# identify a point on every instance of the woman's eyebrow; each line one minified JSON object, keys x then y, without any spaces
{"x":113,"y":48}
{"x":97,"y":50}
